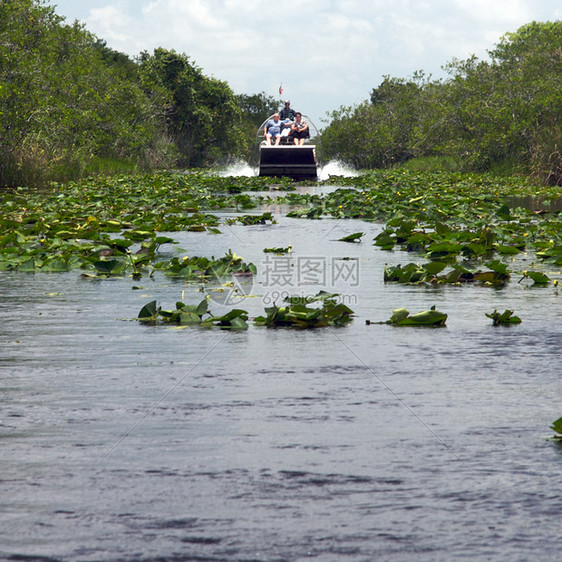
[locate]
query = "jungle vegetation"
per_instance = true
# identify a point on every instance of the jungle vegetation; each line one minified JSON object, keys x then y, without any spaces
{"x":504,"y":114}
{"x":70,"y":106}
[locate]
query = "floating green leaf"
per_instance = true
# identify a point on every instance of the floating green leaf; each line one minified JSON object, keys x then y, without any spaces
{"x":428,"y":272}
{"x":279,"y":250}
{"x":252,"y":219}
{"x":537,"y":277}
{"x":385,"y":240}
{"x":149,"y":312}
{"x":506,"y":317}
{"x":193,"y":314}
{"x":203,"y":269}
{"x":356,"y":237}
{"x":298,"y":315}
{"x":236,"y":319}
{"x":557,"y":426}
{"x":110,"y":267}
{"x":507,"y":250}
{"x":432,"y":317}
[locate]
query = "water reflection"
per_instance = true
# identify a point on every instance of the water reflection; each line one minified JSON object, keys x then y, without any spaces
{"x":535,"y":204}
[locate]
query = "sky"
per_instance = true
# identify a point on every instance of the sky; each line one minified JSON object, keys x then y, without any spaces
{"x":325,"y":53}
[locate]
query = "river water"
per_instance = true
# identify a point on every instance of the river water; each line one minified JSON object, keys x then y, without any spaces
{"x":125,"y":442}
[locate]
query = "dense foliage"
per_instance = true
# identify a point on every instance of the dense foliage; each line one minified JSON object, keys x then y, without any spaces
{"x":202,"y":113}
{"x":69,"y":105}
{"x":66,"y":100}
{"x":505,"y":112}
{"x":256,"y":109}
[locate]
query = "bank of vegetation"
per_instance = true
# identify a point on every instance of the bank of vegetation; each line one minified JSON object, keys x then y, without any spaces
{"x":71,"y":106}
{"x":498,"y":115}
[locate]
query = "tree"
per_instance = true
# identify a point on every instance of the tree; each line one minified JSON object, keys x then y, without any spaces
{"x":488,"y":114}
{"x":393,"y":127}
{"x":530,"y":62}
{"x":255,"y":108}
{"x":510,"y":108}
{"x":202,"y":113}
{"x":64,"y":102}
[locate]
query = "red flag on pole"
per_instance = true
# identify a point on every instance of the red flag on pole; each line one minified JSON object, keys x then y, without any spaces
{"x":281,"y":88}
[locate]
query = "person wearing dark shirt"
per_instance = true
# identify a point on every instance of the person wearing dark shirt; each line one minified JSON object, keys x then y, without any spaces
{"x":299,"y":129}
{"x":287,"y":112}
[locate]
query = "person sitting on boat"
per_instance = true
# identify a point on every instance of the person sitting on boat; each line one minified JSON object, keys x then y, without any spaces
{"x":287,"y":115}
{"x":287,"y":112}
{"x":272,"y":130}
{"x":299,"y":129}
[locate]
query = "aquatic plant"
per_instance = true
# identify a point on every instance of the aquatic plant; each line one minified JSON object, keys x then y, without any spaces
{"x":296,"y":314}
{"x":413,"y":273}
{"x":431,"y":317}
{"x":67,"y":226}
{"x":193,"y":314}
{"x":505,"y":317}
{"x":461,"y":220}
{"x":253,"y":219}
{"x":447,"y":217}
{"x":356,"y":237}
{"x":557,"y":427}
{"x":278,"y":250}
{"x":202,"y":268}
{"x":537,"y":277}
{"x":550,"y":253}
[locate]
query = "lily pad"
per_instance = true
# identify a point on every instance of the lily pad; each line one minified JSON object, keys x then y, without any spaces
{"x":557,"y":427}
{"x":506,"y":317}
{"x":193,"y":314}
{"x":278,"y":250}
{"x":149,"y":312}
{"x":297,"y":313}
{"x":537,"y":277}
{"x":431,"y":317}
{"x":356,"y":237}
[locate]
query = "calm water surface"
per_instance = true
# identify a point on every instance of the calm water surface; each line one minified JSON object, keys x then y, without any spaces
{"x":125,"y":442}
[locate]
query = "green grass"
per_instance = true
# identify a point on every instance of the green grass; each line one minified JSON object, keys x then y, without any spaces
{"x":110,"y":166}
{"x":508,"y":167}
{"x":431,"y":164}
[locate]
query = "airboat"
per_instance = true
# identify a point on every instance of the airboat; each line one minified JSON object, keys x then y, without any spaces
{"x":287,"y":159}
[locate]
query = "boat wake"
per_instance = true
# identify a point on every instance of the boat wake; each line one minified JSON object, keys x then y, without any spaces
{"x":240,"y":168}
{"x":332,"y":168}
{"x":335,"y":168}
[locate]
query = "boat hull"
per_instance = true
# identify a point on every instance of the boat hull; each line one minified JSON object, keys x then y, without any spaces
{"x":297,"y":162}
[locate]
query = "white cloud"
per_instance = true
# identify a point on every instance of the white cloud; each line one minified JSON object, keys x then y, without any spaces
{"x":327,"y":53}
{"x":497,"y":11}
{"x":114,"y":21}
